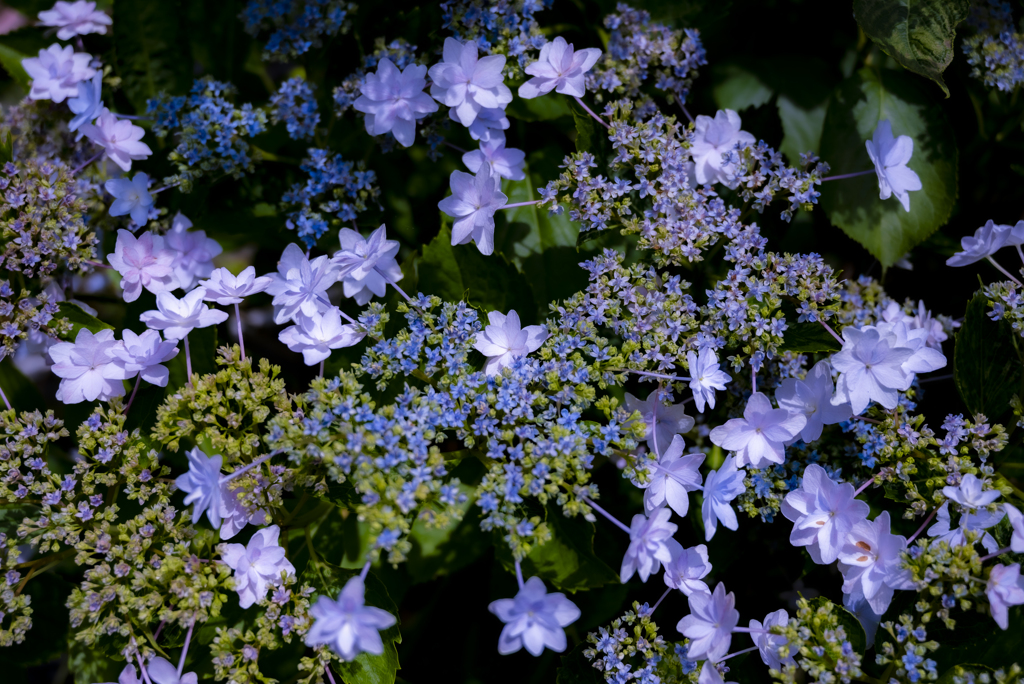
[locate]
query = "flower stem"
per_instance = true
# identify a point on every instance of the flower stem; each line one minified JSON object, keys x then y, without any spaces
{"x":753,"y":379}
{"x":993,"y":555}
{"x":97,"y":264}
{"x":654,"y":424}
{"x":365,"y":571}
{"x":188,"y":361}
{"x":166,"y":187}
{"x":832,"y":332}
{"x":238,"y":322}
{"x":1002,"y":270}
{"x":138,"y":381}
{"x":737,"y":653}
{"x":393,"y":284}
{"x":848,"y":175}
{"x":923,"y":525}
{"x":686,"y":112}
{"x":864,"y":486}
{"x":184,"y":649}
{"x":748,"y":630}
{"x":88,"y":161}
{"x":327,"y":671}
{"x":658,"y":602}
{"x":145,"y":675}
{"x":4,"y":397}
{"x":521,"y":204}
{"x":322,"y":367}
{"x":611,"y":518}
{"x":676,"y":378}
{"x":519,"y":574}
{"x":867,"y":420}
{"x":245,"y":469}
{"x":595,"y":116}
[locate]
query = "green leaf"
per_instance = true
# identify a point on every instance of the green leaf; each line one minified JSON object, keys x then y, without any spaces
{"x":10,"y":59}
{"x":808,"y":338}
{"x":802,"y":127}
{"x":883,"y":227}
{"x":848,"y":621}
{"x":567,"y":560}
{"x":23,"y":394}
{"x":918,"y":34}
{"x":80,"y":319}
{"x":986,"y":368}
{"x":443,"y":551}
{"x":738,"y":87}
{"x":544,"y":108}
{"x":458,"y":272}
{"x":151,"y":49}
{"x":958,"y":672}
{"x":584,"y":130}
{"x":576,"y":669}
{"x":329,"y":580}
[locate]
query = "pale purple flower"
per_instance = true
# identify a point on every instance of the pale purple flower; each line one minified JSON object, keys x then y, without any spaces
{"x":142,"y":355}
{"x":671,"y":478}
{"x":394,"y":100}
{"x":202,"y":484}
{"x":128,"y":676}
{"x":504,"y":162}
{"x":890,"y":156}
{"x":720,"y":487}
{"x":687,"y":568}
{"x":1005,"y":588}
{"x":490,"y":124}
{"x":120,"y":139}
{"x":709,"y":674}
{"x":710,"y":623}
{"x":663,"y":421}
{"x":258,"y":565}
{"x":559,"y":68}
{"x":131,"y":197}
{"x":504,"y":340}
{"x":1017,"y":526}
{"x":871,"y":367}
{"x":472,"y":204}
{"x":534,"y":619}
{"x":143,"y":262}
{"x":193,"y":252}
{"x":88,"y":368}
{"x":234,"y":514}
{"x":705,"y":377}
{"x":315,"y":336}
{"x":870,"y":562}
{"x":823,"y":513}
{"x":348,"y":625}
{"x":971,"y":493}
{"x":225,"y":289}
{"x":924,"y":359}
{"x":812,"y":397}
{"x":56,"y":72}
{"x":976,"y":522}
{"x":713,"y":138}
{"x":986,"y":241}
{"x":360,"y":262}
{"x":649,"y":544}
{"x":75,"y":19}
{"x":88,"y":104}
{"x":178,"y":317}
{"x":759,"y":437}
{"x":300,"y":286}
{"x":768,"y":645}
{"x":161,"y":671}
{"x":468,"y":84}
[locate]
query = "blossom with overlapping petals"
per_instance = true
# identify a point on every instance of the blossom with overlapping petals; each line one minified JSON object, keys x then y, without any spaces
{"x":193,"y":252}
{"x":534,"y":619}
{"x":812,"y":397}
{"x":986,"y":241}
{"x":75,"y":19}
{"x":559,"y":68}
{"x":759,"y":437}
{"x":315,"y":336}
{"x":393,"y":100}
{"x":706,"y":376}
{"x":300,"y":286}
{"x":178,"y":317}
{"x":506,"y":162}
{"x":225,"y":288}
{"x":671,"y":479}
{"x":870,"y":562}
{"x":88,"y":368}
{"x":649,"y":544}
{"x":472,"y":204}
{"x":56,"y":72}
{"x":467,"y":83}
{"x":120,"y":139}
{"x":663,"y":421}
{"x":710,"y":623}
{"x":505,"y":339}
{"x":890,"y":156}
{"x":131,"y":197}
{"x":823,"y":513}
{"x":347,"y":624}
{"x":365,"y":265}
{"x":143,"y":262}
{"x":257,"y":565}
{"x":203,"y":486}
{"x":143,"y":355}
{"x":713,"y":148}
{"x":720,"y":487}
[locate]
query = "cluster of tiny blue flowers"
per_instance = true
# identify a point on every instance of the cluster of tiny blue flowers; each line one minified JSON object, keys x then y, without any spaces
{"x":996,"y":50}
{"x":294,"y":104}
{"x":295,"y":26}
{"x":506,"y":27}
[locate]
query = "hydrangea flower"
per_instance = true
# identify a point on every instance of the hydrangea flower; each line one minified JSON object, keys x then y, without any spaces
{"x":870,"y":562}
{"x":663,"y":421}
{"x":300,"y":286}
{"x":812,"y":397}
{"x":977,"y":522}
{"x":768,"y":644}
{"x":649,"y":544}
{"x":671,"y":478}
{"x":193,"y":252}
{"x":986,"y":241}
{"x":714,"y":141}
{"x":468,"y":84}
{"x":315,"y":336}
{"x":1017,"y":526}
{"x":257,"y":565}
{"x":687,"y":568}
{"x":119,"y":138}
{"x":890,"y":156}
{"x":924,"y":358}
{"x":348,"y":625}
{"x":472,"y":204}
{"x":234,"y":515}
{"x":161,"y":671}
{"x":203,"y":486}
{"x":490,"y":124}
{"x":504,"y":162}
{"x":534,"y":619}
{"x":178,"y":317}
{"x":56,"y":72}
{"x":225,"y":288}
{"x":720,"y":487}
{"x":88,"y":104}
{"x":394,"y":100}
{"x":823,"y":513}
{"x":504,"y":340}
{"x":759,"y":437}
{"x":361,"y":262}
{"x":706,"y":376}
{"x":709,"y":674}
{"x":871,"y":368}
{"x":128,"y":676}
{"x":1004,"y":588}
{"x":143,"y":262}
{"x":710,"y":623}
{"x":88,"y":368}
{"x":971,"y":493}
{"x":559,"y":68}
{"x":75,"y":19}
{"x":131,"y":197}
{"x":143,"y":355}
